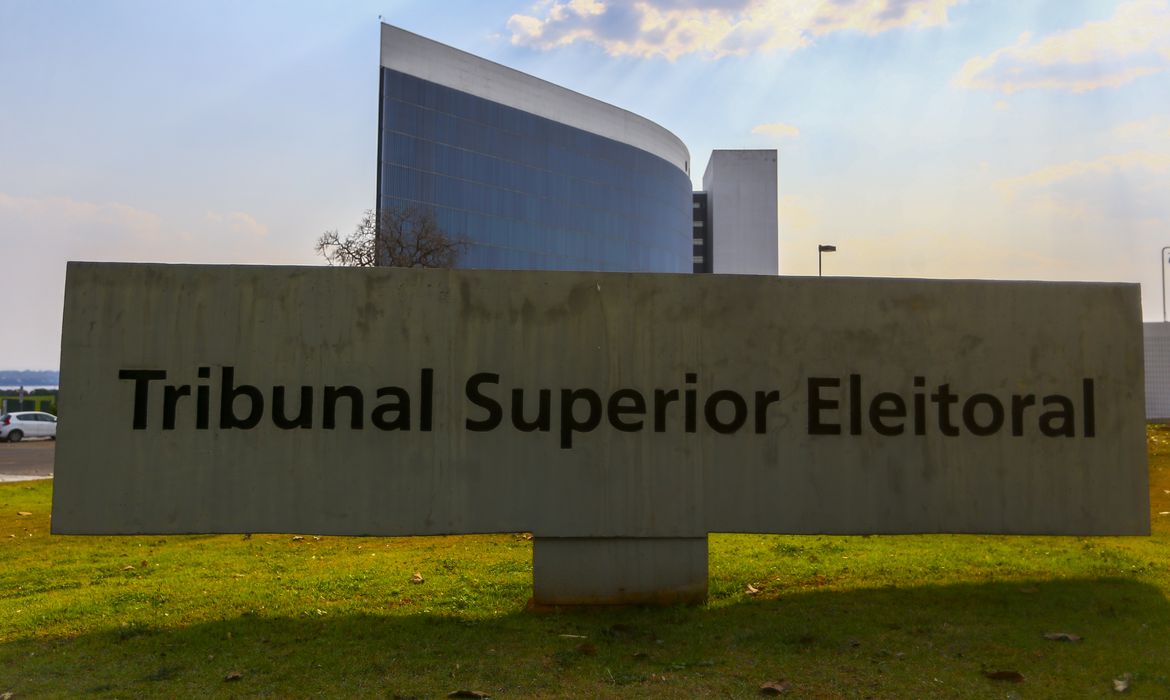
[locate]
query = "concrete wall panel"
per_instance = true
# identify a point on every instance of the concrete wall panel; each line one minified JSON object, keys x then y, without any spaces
{"x":1157,"y":365}
{"x":378,"y":328}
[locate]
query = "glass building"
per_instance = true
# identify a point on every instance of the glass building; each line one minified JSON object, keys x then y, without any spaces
{"x":530,"y":174}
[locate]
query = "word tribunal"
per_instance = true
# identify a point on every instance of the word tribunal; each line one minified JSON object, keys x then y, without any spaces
{"x":831,"y":408}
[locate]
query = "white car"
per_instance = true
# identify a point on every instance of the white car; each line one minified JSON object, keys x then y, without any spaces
{"x":15,"y":426}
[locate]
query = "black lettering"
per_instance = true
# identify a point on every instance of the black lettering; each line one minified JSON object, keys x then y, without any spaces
{"x":400,"y":407}
{"x":426,"y":391}
{"x":569,"y":421}
{"x":171,"y":396}
{"x":816,"y":404}
{"x":203,"y":401}
{"x":878,"y":412}
{"x":142,"y":379}
{"x":227,"y":400}
{"x":919,"y":406}
{"x":763,"y":400}
{"x":1066,"y":416}
{"x":304,"y":419}
{"x":543,"y":412}
{"x":617,"y":410}
{"x":662,"y":399}
{"x":738,"y":411}
{"x":855,"y":404}
{"x":689,"y":404}
{"x":356,"y":410}
{"x":1019,"y":403}
{"x":970,"y":422}
{"x":202,"y":407}
{"x":495,"y":413}
{"x":944,"y":398}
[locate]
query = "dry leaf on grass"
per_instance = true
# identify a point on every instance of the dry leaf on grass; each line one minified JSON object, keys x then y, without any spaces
{"x":1062,"y":637}
{"x":751,"y":590}
{"x":416,"y":577}
{"x":234,"y":676}
{"x":23,"y":512}
{"x":775,"y":687}
{"x":1121,"y":683}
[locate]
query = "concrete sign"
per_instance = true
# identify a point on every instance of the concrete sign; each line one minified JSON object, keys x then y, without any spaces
{"x":591,"y":405}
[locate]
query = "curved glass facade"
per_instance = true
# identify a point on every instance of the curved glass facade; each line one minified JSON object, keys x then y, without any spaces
{"x":525,"y":191}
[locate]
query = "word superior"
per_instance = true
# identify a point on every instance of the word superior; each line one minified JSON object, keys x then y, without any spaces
{"x":833,"y":405}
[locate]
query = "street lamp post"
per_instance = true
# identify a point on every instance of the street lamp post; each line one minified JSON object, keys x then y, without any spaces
{"x":822,"y":248}
{"x":1162,"y":264}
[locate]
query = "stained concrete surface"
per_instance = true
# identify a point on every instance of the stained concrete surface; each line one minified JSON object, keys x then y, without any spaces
{"x":788,"y":405}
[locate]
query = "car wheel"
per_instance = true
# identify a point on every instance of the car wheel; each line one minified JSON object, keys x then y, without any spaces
{"x":15,"y":436}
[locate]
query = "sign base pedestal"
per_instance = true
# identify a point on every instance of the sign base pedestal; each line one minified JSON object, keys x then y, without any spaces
{"x":619,"y":570}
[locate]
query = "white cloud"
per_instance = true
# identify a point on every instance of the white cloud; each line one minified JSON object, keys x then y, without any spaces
{"x":1152,"y":130}
{"x":1111,"y":194}
{"x":776,"y":129}
{"x":72,"y":229}
{"x":713,"y":28}
{"x":1134,"y":163}
{"x":239,"y":222}
{"x":77,"y":225}
{"x":1134,"y":42}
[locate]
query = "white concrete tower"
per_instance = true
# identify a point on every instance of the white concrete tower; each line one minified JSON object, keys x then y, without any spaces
{"x":741,"y":200}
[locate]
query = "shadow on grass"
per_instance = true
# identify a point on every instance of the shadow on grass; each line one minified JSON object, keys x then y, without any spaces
{"x":886,"y":642}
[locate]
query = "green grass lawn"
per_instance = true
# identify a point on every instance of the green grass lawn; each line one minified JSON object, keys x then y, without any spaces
{"x":835,"y":617}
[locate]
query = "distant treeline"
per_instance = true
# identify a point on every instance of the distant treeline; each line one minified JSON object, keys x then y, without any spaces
{"x":29,"y":377}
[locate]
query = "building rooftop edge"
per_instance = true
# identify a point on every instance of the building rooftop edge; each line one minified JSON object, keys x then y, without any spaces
{"x":436,"y":62}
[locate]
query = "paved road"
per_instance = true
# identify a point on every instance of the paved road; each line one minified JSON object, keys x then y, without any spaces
{"x":28,"y":459}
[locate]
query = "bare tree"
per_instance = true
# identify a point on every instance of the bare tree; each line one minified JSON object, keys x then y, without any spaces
{"x":403,"y":237}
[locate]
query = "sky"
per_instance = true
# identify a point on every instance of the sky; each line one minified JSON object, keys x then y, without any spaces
{"x":951,"y":139}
